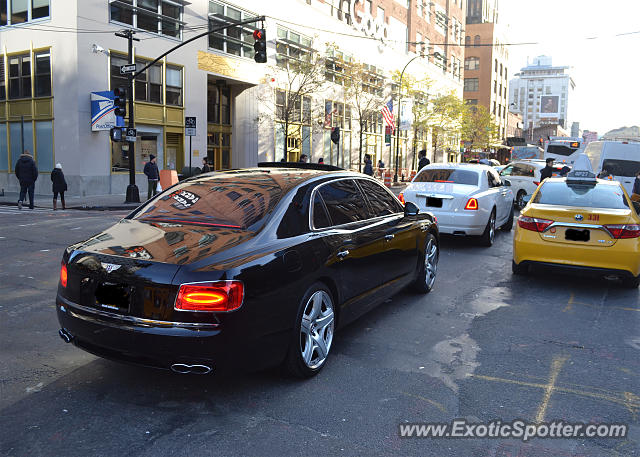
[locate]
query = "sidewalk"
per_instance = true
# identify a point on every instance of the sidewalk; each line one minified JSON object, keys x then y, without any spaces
{"x":113,"y":202}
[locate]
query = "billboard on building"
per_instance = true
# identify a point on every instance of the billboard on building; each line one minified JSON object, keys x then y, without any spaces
{"x":103,"y":116}
{"x":549,"y":104}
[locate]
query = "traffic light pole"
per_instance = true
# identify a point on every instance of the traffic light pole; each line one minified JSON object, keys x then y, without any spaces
{"x":133,"y":196}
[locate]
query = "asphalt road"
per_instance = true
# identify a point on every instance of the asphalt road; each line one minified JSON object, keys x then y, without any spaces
{"x":482,"y":346}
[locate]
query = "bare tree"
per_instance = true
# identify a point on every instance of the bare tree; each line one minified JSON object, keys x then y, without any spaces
{"x":479,"y":127}
{"x":364,"y":94}
{"x":298,"y":76}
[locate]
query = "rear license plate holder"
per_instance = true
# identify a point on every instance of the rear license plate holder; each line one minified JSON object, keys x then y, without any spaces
{"x":434,"y":202}
{"x":113,"y":296}
{"x":577,"y":235}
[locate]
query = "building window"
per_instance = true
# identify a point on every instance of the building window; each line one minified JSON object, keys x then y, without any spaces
{"x":157,"y":16}
{"x":467,"y":41}
{"x":442,"y":20}
{"x":148,"y":86}
{"x":3,"y":89}
{"x":471,"y":101}
{"x":472,"y":63}
{"x":495,"y":67}
{"x":300,"y":110}
{"x":236,"y":40}
{"x":118,"y":80}
{"x":335,"y":64}
{"x":290,"y":46}
{"x":174,"y":86}
{"x":495,"y":87}
{"x":471,"y":84}
{"x":476,"y":41}
{"x":219,"y":104}
{"x":43,"y":74}
{"x":22,"y":11}
{"x":374,"y":81}
{"x":20,"y":76}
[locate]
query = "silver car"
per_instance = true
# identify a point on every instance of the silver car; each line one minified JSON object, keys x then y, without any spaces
{"x":467,"y":199}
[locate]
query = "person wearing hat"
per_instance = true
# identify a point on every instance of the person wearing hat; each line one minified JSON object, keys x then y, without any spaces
{"x":59,"y":186}
{"x":153,"y":175}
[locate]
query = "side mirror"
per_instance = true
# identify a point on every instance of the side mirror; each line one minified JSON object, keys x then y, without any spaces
{"x":507,"y":183}
{"x":411,"y":209}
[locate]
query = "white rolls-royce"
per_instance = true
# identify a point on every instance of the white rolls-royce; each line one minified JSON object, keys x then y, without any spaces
{"x":467,"y":199}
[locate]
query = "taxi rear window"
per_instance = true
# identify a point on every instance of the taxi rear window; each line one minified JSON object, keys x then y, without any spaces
{"x":448,"y":175}
{"x":581,"y":195}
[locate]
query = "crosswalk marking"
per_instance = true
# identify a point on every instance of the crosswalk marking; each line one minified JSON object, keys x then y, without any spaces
{"x":15,"y":210}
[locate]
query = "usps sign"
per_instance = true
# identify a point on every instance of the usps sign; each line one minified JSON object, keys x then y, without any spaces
{"x":103,"y":116}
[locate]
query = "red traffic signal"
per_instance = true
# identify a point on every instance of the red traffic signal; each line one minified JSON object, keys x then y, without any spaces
{"x":260,"y":46}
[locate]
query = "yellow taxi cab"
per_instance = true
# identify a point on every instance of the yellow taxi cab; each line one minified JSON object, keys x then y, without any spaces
{"x":583,"y":223}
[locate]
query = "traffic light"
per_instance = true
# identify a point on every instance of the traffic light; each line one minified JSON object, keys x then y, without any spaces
{"x":335,"y":135}
{"x":260,"y":46}
{"x":120,"y":101}
{"x":116,"y":133}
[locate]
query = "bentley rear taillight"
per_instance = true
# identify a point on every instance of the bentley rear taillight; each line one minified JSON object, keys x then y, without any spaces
{"x":533,"y":223}
{"x":623,"y":231}
{"x":213,"y":297}
{"x":63,"y":275}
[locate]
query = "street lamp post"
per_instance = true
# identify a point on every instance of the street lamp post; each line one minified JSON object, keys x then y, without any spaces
{"x":395,"y":176}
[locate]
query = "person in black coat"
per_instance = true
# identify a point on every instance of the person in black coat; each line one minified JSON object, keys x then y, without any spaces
{"x":547,"y":171}
{"x":153,"y":175}
{"x":59,"y":186}
{"x":205,"y":166}
{"x":27,"y":173}
{"x":423,"y":162}
{"x":368,"y":166}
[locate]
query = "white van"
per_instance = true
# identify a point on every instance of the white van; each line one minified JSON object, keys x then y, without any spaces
{"x":620,"y":158}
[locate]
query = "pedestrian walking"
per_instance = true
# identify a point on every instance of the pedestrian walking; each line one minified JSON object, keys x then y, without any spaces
{"x":153,"y":175}
{"x":368,"y":167}
{"x":423,"y":161}
{"x":205,"y":165}
{"x":59,"y":186}
{"x":547,"y":171}
{"x":321,"y":160}
{"x":635,"y":193}
{"x":27,"y":174}
{"x":304,"y":158}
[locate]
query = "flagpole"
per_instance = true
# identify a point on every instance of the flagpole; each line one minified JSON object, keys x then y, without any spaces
{"x":395,"y":176}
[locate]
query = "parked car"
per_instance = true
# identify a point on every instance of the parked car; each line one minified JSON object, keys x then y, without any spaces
{"x":253,"y":267}
{"x":581,"y":223}
{"x":467,"y":199}
{"x":621,"y":159}
{"x":524,"y":176}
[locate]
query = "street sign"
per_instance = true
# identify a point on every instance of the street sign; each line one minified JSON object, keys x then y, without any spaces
{"x":126,"y":69}
{"x":131,"y":135}
{"x":190,"y":126}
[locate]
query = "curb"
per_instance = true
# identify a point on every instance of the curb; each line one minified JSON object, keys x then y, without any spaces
{"x":84,"y":207}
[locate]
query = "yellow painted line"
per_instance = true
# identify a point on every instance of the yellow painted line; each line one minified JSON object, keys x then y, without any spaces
{"x":627,"y":399}
{"x":431,"y":402}
{"x":569,"y":303}
{"x":572,"y":301}
{"x":556,"y":366}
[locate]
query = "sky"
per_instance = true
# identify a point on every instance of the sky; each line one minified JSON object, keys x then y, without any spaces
{"x":606,"y":70}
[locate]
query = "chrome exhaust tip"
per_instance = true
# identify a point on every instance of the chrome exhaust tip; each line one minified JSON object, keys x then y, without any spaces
{"x":183,"y":368}
{"x":66,"y":336}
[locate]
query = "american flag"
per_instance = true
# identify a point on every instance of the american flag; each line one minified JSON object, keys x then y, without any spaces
{"x":387,"y":114}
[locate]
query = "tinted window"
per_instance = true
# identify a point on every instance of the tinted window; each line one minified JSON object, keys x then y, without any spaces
{"x":344,"y":202}
{"x":581,"y":195}
{"x":231,"y":200}
{"x":380,"y":201}
{"x":320,"y":217}
{"x":507,"y":171}
{"x":560,"y":150}
{"x":621,"y":167}
{"x":448,"y":175}
{"x":295,"y":220}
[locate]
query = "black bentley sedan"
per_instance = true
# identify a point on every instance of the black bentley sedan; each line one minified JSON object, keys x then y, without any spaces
{"x":252,"y":267}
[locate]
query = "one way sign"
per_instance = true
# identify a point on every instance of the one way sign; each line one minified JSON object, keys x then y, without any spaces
{"x":126,"y":69}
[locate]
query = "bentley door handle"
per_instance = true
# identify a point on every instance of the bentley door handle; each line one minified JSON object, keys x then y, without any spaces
{"x":342,"y":254}
{"x":389,"y":237}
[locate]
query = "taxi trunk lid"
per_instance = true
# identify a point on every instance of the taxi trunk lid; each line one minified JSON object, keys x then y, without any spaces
{"x":580,"y":226}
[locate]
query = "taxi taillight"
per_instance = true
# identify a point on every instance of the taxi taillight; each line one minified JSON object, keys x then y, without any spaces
{"x":623,"y":231}
{"x":533,"y":223}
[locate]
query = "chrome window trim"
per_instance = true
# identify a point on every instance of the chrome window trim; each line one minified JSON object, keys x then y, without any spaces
{"x":342,"y":226}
